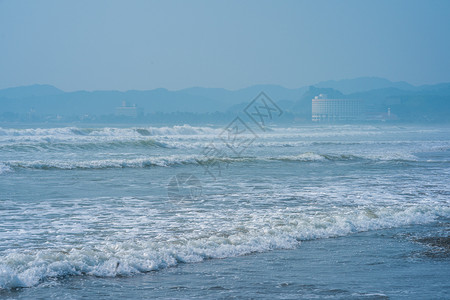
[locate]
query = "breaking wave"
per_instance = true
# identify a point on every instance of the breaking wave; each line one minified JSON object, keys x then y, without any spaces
{"x":108,"y":131}
{"x":84,"y":145}
{"x":242,"y":232}
{"x":178,"y":160}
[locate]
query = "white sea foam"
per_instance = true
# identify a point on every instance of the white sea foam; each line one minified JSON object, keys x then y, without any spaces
{"x":191,"y":137}
{"x":192,"y":159}
{"x":91,"y":138}
{"x":108,"y":131}
{"x":144,"y":162}
{"x":222,"y":234}
{"x":121,"y":236}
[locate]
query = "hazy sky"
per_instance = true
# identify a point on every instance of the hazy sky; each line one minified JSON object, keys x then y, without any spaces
{"x":231,"y":44}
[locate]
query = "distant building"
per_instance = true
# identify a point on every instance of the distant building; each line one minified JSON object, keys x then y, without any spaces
{"x":324,"y":109}
{"x":127,"y":110}
{"x":383,"y":116}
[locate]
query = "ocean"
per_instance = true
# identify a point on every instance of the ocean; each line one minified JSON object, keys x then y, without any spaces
{"x":306,"y":211}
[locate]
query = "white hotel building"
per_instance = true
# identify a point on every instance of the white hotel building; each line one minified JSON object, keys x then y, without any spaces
{"x":324,"y":109}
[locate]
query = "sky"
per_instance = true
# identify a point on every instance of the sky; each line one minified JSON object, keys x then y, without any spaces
{"x":123,"y":45}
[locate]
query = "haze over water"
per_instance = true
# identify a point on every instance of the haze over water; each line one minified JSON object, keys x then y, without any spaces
{"x":173,"y":149}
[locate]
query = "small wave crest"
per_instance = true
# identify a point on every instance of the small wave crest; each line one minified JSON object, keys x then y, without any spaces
{"x":108,"y":131}
{"x":177,"y":160}
{"x":92,"y":144}
{"x":311,"y":156}
{"x":104,"y":164}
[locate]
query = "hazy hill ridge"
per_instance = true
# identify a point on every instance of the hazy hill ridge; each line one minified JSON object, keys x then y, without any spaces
{"x":427,"y":102}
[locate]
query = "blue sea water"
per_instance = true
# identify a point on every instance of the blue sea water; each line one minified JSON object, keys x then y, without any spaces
{"x":324,"y":211}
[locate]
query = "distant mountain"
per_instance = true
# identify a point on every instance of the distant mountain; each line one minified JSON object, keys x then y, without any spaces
{"x":105,"y":102}
{"x":349,"y":86}
{"x":30,"y":91}
{"x":428,"y":102}
{"x":441,"y":88}
{"x":50,"y":100}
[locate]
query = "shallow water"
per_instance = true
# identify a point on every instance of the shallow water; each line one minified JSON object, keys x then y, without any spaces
{"x":86,"y":211}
